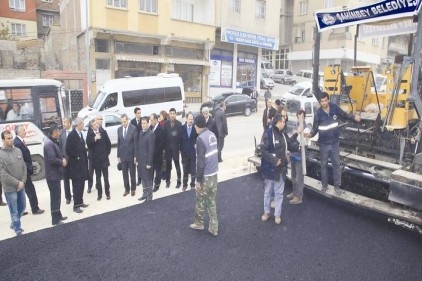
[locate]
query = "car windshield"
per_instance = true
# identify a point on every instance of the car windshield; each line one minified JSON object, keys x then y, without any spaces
{"x":265,"y":75}
{"x":98,"y":99}
{"x":296,"y":90}
{"x":289,"y":72}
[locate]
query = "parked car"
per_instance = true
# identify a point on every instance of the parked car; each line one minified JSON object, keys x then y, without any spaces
{"x":266,"y":81}
{"x":283,"y":76}
{"x":298,"y":91}
{"x":306,"y":75}
{"x":235,"y":104}
{"x":111,"y":121}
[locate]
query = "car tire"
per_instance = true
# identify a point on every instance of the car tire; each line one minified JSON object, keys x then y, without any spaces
{"x":282,"y":81}
{"x":247,"y":111}
{"x":293,"y":83}
{"x":39,"y":167}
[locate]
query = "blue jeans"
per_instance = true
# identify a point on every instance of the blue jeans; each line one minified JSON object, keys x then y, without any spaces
{"x":276,"y":187}
{"x":17,"y":204}
{"x":333,"y":152}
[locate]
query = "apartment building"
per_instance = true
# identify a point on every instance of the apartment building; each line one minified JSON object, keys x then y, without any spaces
{"x":48,"y":14}
{"x":19,"y":16}
{"x":244,"y":30}
{"x":337,"y":45}
{"x":118,"y":38}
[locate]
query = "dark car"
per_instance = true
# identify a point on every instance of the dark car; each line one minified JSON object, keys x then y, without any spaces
{"x":235,"y":104}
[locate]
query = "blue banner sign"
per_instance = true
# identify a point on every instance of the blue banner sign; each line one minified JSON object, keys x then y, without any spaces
{"x":383,"y":10}
{"x":248,"y":39}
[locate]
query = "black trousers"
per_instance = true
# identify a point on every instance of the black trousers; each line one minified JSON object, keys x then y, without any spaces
{"x":55,"y":200}
{"x":78,"y":192}
{"x":102,"y":170}
{"x":90,"y":174}
{"x":66,"y":184}
{"x":31,"y":193}
{"x":158,"y":174}
{"x":129,"y":168}
{"x":220,"y":146}
{"x":172,"y":154}
{"x":189,"y":167}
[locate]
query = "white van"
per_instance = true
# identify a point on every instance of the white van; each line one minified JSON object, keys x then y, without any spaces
{"x":267,"y":67}
{"x":152,"y":94}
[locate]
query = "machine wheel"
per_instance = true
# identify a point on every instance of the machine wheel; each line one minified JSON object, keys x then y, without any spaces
{"x":247,"y":111}
{"x":39,"y":167}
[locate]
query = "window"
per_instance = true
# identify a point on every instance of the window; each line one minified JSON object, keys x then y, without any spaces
{"x":24,"y":108}
{"x":236,"y":6}
{"x":18,"y":29}
{"x":260,"y":9}
{"x":149,"y":6}
{"x":111,"y":121}
{"x":47,"y":20}
{"x":308,"y":108}
{"x":303,"y":7}
{"x":117,"y":3}
{"x":186,"y":11}
{"x":151,"y":96}
{"x":102,"y":45}
{"x":17,"y":5}
{"x":102,"y":63}
{"x":329,"y":3}
{"x":375,"y":41}
{"x":50,"y":112}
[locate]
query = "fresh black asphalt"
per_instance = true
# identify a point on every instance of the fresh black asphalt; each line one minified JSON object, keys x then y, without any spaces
{"x":321,"y":239}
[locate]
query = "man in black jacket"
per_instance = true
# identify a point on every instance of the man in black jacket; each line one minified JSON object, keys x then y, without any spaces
{"x":127,"y":137}
{"x":172,"y":139}
{"x":268,"y":114}
{"x":188,"y":137}
{"x":158,"y":131}
{"x":78,"y":163}
{"x":19,"y":142}
{"x":99,"y":143}
{"x":55,"y":161}
{"x":137,"y":123}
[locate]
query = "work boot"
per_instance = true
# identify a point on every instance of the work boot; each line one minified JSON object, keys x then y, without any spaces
{"x":265,"y":216}
{"x":213,"y":233}
{"x":337,"y":190}
{"x":277,"y":220}
{"x":324,"y":189}
{"x":290,"y":195}
{"x":295,"y":200}
{"x":196,"y":226}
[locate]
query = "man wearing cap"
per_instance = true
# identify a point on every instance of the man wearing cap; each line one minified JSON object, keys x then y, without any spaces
{"x":274,"y":165}
{"x":206,"y":176}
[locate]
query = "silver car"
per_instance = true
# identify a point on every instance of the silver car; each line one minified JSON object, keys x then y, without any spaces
{"x":283,"y":76}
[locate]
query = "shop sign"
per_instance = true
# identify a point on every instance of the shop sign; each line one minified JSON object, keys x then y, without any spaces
{"x":249,"y":39}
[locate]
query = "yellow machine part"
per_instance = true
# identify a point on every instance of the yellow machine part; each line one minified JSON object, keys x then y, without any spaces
{"x":361,"y":80}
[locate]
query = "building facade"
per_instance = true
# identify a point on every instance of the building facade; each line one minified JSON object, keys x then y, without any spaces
{"x":139,"y":38}
{"x":19,"y":16}
{"x":48,"y":14}
{"x":337,"y":45}
{"x":244,"y":29}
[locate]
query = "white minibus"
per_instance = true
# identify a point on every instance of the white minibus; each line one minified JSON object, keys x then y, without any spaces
{"x":152,"y":94}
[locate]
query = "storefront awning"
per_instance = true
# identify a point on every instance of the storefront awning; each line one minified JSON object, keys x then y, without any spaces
{"x":186,"y":61}
{"x":154,"y":59}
